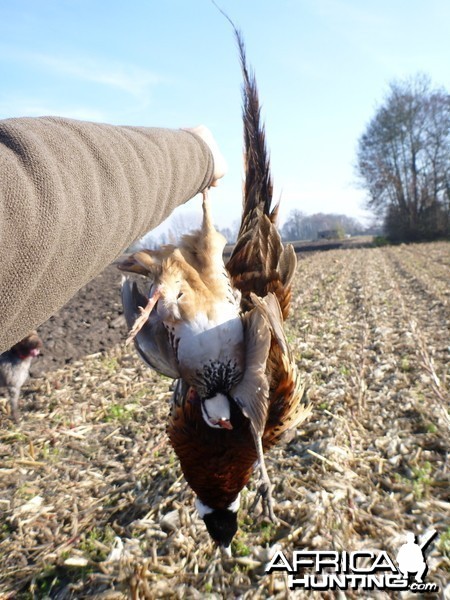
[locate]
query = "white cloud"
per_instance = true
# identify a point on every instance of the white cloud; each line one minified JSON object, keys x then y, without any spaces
{"x":129,"y":78}
{"x":29,"y":108}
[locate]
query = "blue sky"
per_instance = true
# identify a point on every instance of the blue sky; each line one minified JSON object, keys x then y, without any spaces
{"x":322,"y":66}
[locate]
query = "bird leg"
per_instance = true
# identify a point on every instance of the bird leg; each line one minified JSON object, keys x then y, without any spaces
{"x":207,"y":220}
{"x":265,"y":487}
{"x":142,"y":319}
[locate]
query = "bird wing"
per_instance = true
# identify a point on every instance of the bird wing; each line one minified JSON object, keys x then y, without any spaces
{"x":271,"y":391}
{"x":152,"y":342}
{"x":251,"y":393}
{"x":287,"y":408}
{"x":269,"y":306}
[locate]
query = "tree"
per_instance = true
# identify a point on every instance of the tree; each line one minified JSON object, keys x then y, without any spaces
{"x":292,"y":228}
{"x":404,"y":161}
{"x":299,"y":226}
{"x":230,"y":233}
{"x":181,"y":223}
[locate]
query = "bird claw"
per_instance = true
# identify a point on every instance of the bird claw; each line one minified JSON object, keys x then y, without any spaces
{"x":265,"y":487}
{"x":265,"y":493}
{"x":144,"y":315}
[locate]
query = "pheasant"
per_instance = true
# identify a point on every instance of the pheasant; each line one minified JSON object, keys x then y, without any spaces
{"x":218,"y":330}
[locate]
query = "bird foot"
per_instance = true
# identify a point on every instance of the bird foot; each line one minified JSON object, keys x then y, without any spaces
{"x":265,"y":487}
{"x":144,"y":315}
{"x":265,"y":493}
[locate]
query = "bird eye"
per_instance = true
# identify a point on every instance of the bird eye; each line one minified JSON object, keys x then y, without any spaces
{"x":179,"y":295}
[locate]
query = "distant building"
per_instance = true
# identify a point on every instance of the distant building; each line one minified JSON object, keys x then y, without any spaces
{"x":329,"y":234}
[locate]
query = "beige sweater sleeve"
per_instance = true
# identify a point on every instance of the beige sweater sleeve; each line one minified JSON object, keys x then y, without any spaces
{"x":73,"y":196}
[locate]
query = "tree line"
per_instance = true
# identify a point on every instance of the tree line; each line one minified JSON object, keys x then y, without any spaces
{"x":403,"y":161}
{"x":298,"y":226}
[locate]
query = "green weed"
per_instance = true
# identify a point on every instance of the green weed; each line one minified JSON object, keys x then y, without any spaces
{"x":405,"y":365}
{"x":422,"y":480}
{"x":444,"y":543}
{"x":118,"y":412}
{"x":95,"y":539}
{"x":239,"y":548}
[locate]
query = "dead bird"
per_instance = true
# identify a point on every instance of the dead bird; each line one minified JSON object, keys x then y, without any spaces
{"x":219,"y":331}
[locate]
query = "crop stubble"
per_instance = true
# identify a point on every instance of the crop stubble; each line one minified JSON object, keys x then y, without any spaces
{"x":89,"y":477}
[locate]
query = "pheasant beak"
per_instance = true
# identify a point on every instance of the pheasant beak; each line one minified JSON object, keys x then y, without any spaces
{"x":224,"y":424}
{"x":145,"y":313}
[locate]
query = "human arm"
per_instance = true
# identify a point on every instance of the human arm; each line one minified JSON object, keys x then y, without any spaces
{"x":73,"y":196}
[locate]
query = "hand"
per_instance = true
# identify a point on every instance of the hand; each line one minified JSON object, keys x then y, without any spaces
{"x":220,"y":164}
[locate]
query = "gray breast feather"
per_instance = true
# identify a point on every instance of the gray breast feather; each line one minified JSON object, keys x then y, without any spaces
{"x":252,"y":391}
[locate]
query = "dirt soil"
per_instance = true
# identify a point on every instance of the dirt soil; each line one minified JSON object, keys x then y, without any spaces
{"x":91,"y":322}
{"x":92,"y":500}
